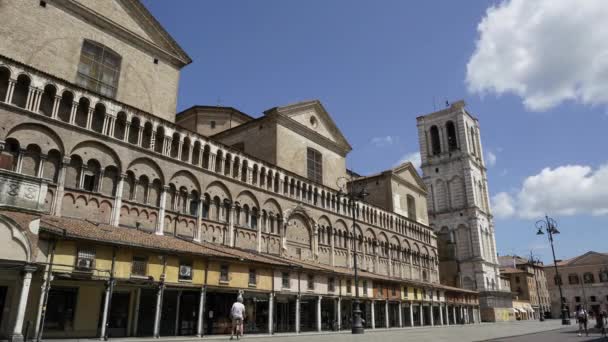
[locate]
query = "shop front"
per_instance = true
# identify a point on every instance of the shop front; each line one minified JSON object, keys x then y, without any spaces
{"x":284,"y":313}
{"x":393,"y":314}
{"x":405,"y":311}
{"x":308,"y":313}
{"x":380,"y":313}
{"x":329,"y":318}
{"x":416,"y":314}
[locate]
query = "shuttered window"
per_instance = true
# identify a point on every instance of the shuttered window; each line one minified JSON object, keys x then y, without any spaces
{"x":315,"y":165}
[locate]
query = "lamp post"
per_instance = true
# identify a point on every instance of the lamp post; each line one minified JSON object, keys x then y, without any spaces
{"x":353,"y":196}
{"x":550,"y":226}
{"x":533,"y":263}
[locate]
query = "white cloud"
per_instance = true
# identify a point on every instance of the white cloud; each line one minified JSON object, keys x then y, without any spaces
{"x":545,"y":51}
{"x":491,"y":158}
{"x":565,"y":190}
{"x":414,"y":158}
{"x":384,"y":141}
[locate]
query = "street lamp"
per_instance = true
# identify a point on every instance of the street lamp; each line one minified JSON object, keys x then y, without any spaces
{"x":532,"y":262}
{"x":353,"y":196}
{"x":550,"y":226}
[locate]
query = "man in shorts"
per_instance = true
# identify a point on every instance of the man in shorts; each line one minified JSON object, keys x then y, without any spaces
{"x":237,"y":314}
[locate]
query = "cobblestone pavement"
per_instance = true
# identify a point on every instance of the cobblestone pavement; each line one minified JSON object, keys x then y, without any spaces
{"x":477,"y":332}
{"x":566,"y":335}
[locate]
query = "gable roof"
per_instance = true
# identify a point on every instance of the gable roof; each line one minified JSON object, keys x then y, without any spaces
{"x":298,"y":107}
{"x":584,"y":259}
{"x":157,"y":41}
{"x":408,"y":166}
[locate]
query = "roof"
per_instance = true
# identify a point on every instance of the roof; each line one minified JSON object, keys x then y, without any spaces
{"x":232,"y":110}
{"x":510,"y":270}
{"x":578,"y":259}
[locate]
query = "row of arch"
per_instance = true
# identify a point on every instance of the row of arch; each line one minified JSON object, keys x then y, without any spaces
{"x":65,"y":105}
{"x":446,"y":138}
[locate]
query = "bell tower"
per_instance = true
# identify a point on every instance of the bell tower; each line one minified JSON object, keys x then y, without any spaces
{"x":454,"y":172}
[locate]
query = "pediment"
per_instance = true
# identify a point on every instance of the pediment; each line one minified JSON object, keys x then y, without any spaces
{"x":589,"y":258}
{"x":130,"y":18}
{"x":313,"y":116}
{"x":407,"y":171}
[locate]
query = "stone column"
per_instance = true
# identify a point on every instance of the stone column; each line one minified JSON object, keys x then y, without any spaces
{"x":118,"y":201}
{"x":127,"y":129}
{"x":270,"y":312}
{"x":421,"y":315}
{"x":73,"y":112}
{"x":40,"y":171}
{"x":319,"y":314}
{"x":447,"y":315}
{"x":90,"y":117}
{"x":177,"y":304}
{"x":400,"y":315}
{"x":136,"y":312}
{"x":339,"y":311}
{"x":411,"y":315}
{"x":201,"y":313}
{"x":298,"y":314}
{"x":386,"y":318}
{"x":10,"y":90}
{"x":140,"y":134}
{"x":17,"y":334}
{"x":56,"y":103}
{"x":199,"y":220}
{"x":30,"y":99}
{"x":231,"y":216}
{"x":332,"y":246}
{"x":432,"y":314}
{"x":152,"y":140}
{"x":454,"y":314}
{"x":60,"y":186}
{"x":160,"y":224}
{"x":373,"y":314}
{"x":159,"y":308}
{"x":104,"y":314}
{"x":440,"y":315}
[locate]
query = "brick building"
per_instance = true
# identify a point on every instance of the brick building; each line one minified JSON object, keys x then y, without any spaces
{"x":122,"y":218}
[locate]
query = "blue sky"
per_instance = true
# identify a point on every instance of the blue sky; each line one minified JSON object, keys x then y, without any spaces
{"x":376,"y":66}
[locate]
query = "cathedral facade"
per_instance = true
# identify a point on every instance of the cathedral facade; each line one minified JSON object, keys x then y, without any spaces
{"x":122,"y":218}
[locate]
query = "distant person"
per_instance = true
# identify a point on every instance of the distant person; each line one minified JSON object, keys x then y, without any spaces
{"x":581,"y":318}
{"x":237,"y":314}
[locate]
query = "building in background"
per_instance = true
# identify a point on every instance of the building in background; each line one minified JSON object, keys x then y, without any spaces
{"x":454,"y":172}
{"x":122,"y":220}
{"x":584,"y":282}
{"x":528,"y":281}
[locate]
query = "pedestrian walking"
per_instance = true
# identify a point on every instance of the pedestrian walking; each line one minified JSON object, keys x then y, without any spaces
{"x":237,"y":314}
{"x":581,"y":318}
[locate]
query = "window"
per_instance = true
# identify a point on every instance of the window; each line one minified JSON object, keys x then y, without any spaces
{"x":61,"y":306}
{"x":588,"y":278}
{"x":185,"y":270}
{"x":212,"y":124}
{"x":252,"y":277}
{"x":365,"y":287}
{"x":394,"y":291}
{"x":138,"y":266}
{"x":285,"y":280}
{"x":405,"y":291}
{"x":603,"y":276}
{"x":331,"y":284}
{"x":577,"y":299}
{"x":86,"y":259}
{"x":224,"y":274}
{"x":573,"y":279}
{"x":435,"y":142}
{"x":411,"y":207}
{"x":451,"y":130}
{"x":557,"y":280}
{"x":88,"y":183}
{"x":315,"y":165}
{"x":349,"y":286}
{"x":99,"y":69}
{"x":415,"y":293}
{"x":517,"y":280}
{"x":311,"y":282}
{"x":593,"y":299}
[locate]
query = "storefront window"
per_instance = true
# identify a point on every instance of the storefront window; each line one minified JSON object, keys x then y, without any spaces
{"x":60,"y":309}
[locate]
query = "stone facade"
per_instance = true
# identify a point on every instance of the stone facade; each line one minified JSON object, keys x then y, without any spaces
{"x":584,"y":283}
{"x":454,"y":171}
{"x":118,"y":176}
{"x":528,"y":281}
